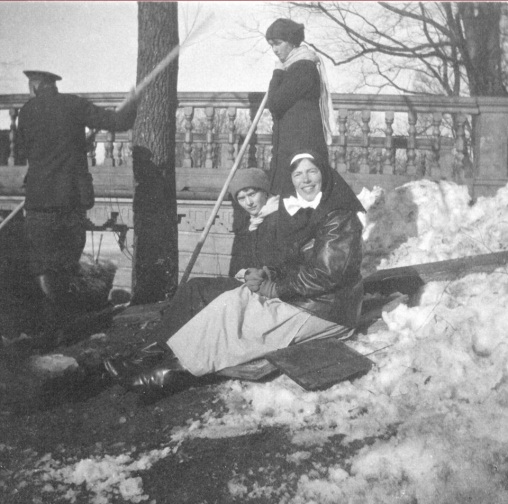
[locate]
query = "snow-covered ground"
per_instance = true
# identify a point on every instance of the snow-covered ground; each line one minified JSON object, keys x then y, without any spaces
{"x":440,"y":379}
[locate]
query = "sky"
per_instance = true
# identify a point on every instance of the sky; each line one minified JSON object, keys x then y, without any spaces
{"x":93,"y":45}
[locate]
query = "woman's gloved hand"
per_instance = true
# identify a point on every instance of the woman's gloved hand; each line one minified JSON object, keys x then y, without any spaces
{"x":268,"y":289}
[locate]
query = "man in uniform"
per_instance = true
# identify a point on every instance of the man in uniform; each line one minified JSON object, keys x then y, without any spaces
{"x":59,"y":187}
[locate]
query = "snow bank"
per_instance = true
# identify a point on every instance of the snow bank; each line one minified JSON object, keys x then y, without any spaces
{"x":440,"y":385}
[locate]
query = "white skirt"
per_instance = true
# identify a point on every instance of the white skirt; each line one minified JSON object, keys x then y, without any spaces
{"x":239,"y":326}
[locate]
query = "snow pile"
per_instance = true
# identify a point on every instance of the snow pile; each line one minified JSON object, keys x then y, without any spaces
{"x":441,"y":386}
{"x":425,"y":221}
{"x":101,"y":477}
{"x":436,"y":401}
{"x":53,"y":364}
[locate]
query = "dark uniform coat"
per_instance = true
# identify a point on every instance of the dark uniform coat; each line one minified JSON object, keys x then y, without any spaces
{"x":59,"y":187}
{"x":293,"y":100}
{"x":51,"y":131}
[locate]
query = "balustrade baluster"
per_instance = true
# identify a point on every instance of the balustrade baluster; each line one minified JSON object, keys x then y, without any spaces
{"x":129,"y":148}
{"x":460,"y":147}
{"x":108,"y":149}
{"x":332,"y":154}
{"x":261,"y":156}
{"x":342,"y":142}
{"x":389,"y":161}
{"x":231,"y":136}
{"x":411,"y":143}
{"x":188,"y":113}
{"x":437,"y":118}
{"x":118,"y":161}
{"x":13,"y":130}
{"x":379,"y":160}
{"x":364,"y":163}
{"x":209,"y":111}
{"x":91,"y":151}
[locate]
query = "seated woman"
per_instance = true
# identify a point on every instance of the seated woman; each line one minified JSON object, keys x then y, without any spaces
{"x":249,"y":187}
{"x":314,"y":291}
{"x":254,"y":247}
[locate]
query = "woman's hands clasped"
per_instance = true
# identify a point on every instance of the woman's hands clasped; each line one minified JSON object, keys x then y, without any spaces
{"x":258,"y":280}
{"x":254,"y":277}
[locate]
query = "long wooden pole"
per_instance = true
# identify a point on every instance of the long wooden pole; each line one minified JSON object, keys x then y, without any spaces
{"x":222,"y":194}
{"x":12,"y":215}
{"x":161,"y":66}
{"x":134,"y":95}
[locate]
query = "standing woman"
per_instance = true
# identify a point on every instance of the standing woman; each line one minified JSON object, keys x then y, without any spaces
{"x":298,"y":99}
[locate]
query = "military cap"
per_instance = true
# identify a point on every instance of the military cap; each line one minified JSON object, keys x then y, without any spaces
{"x":42,"y":76}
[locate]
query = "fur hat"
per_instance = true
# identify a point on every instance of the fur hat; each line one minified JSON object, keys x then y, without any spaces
{"x":287,"y":30}
{"x":249,"y":177}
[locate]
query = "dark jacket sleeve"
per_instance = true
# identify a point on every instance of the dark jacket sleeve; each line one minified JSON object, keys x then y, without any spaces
{"x":330,"y":262}
{"x":100,"y":118}
{"x":289,"y":86}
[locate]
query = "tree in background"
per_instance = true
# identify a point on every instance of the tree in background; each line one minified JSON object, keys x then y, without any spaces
{"x":452,"y":48}
{"x":155,"y":265}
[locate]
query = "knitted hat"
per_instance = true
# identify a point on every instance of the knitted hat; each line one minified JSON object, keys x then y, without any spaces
{"x":249,"y":177}
{"x":287,"y":30}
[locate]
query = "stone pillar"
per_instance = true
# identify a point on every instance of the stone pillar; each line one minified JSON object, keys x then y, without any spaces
{"x":490,"y":130}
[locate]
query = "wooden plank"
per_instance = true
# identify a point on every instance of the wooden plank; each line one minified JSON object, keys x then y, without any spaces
{"x":409,"y":277}
{"x":252,"y":371}
{"x":319,"y":364}
{"x":373,"y":308}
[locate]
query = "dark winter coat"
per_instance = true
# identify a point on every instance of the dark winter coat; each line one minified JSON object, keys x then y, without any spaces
{"x":52,"y":136}
{"x":255,"y":249}
{"x":293,"y":100}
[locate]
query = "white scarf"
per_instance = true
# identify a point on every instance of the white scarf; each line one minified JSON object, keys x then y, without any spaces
{"x":293,"y":204}
{"x":271,"y":205}
{"x":325,"y":100}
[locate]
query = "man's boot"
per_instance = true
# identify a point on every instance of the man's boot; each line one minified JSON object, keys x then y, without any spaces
{"x":53,"y":290}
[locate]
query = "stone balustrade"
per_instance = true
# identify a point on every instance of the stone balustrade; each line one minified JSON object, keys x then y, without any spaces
{"x":379,"y":140}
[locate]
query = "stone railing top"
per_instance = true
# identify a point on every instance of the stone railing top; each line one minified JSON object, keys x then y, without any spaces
{"x":379,"y":102}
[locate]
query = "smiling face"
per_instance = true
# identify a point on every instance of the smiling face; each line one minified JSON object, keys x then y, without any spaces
{"x":281,"y":48}
{"x":252,"y":200}
{"x":307,"y":179}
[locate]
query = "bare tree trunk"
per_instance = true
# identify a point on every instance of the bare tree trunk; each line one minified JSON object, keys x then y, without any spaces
{"x":482,"y":42}
{"x":155,"y":267}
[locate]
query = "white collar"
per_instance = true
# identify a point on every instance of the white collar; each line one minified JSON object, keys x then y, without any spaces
{"x":293,"y":204}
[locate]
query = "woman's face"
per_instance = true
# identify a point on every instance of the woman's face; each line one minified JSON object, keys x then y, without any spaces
{"x":307,"y":179}
{"x":281,"y":48}
{"x":252,"y":200}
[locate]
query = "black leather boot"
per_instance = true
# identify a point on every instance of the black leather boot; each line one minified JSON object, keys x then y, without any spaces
{"x":152,"y":369}
{"x":161,"y":380}
{"x":124,"y":367}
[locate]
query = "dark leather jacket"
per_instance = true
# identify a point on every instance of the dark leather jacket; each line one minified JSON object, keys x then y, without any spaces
{"x":324,"y":277}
